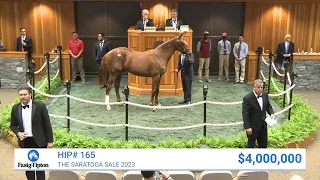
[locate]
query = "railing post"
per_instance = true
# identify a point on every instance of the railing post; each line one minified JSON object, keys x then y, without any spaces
{"x":59,"y":47}
{"x":270,"y":66}
{"x":259,"y":51}
{"x":68,"y":86}
{"x":31,"y":74}
{"x":292,"y":76}
{"x":285,"y":81}
{"x":126,"y":92}
{"x":205,"y":92}
{"x":47,"y":56}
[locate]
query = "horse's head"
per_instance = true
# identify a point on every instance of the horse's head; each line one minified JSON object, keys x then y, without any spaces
{"x":182,"y":46}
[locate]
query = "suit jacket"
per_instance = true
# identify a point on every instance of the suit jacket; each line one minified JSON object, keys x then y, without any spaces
{"x":27,"y":47}
{"x":252,"y":115}
{"x":140,"y":26}
{"x":41,"y":126}
{"x":187,"y":68}
{"x":281,"y":50}
{"x":97,"y":53}
{"x":169,"y":23}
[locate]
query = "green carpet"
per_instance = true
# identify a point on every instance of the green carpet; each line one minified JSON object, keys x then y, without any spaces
{"x":218,"y":91}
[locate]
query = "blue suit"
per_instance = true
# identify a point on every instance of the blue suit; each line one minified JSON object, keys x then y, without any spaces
{"x":186,"y":68}
{"x":98,"y":53}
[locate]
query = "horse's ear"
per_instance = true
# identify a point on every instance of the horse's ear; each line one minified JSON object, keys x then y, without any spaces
{"x":181,"y":35}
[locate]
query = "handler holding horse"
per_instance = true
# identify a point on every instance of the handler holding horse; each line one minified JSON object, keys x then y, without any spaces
{"x":152,"y":63}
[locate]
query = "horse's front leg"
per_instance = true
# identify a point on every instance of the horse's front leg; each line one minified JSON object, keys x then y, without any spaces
{"x":157,"y":92}
{"x":155,"y":80}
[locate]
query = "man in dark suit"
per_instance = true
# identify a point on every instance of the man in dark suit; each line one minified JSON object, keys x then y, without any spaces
{"x":101,"y":48}
{"x":186,"y":66}
{"x":145,"y":21}
{"x":24,"y":42}
{"x":254,"y":107}
{"x":174,"y":21}
{"x":31,"y":123}
{"x":284,"y":51}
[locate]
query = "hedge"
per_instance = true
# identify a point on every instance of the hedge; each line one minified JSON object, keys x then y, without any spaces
{"x":303,"y":123}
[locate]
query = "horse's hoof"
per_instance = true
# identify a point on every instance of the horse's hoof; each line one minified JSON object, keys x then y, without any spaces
{"x":159,"y":104}
{"x":154,"y":109}
{"x":108,"y":108}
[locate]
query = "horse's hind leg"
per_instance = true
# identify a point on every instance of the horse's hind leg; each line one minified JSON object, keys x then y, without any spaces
{"x":110,"y":82}
{"x":117,"y":85}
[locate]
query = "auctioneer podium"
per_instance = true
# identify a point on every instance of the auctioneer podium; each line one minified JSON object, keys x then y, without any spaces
{"x":170,"y":85}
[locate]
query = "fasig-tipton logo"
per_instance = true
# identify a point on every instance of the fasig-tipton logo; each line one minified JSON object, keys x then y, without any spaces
{"x":33,"y":156}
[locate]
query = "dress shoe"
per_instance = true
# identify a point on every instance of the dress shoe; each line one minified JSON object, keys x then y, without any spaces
{"x":182,"y":102}
{"x":208,"y":80}
{"x":200,"y":81}
{"x":236,"y":82}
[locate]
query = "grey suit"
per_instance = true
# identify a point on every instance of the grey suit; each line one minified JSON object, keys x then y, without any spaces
{"x":186,"y":67}
{"x":140,"y":25}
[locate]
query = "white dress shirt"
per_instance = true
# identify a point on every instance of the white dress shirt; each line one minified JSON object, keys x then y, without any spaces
{"x":287,"y":46}
{"x":182,"y":59}
{"x":174,"y":23}
{"x":26,"y":119}
{"x":260,"y":100}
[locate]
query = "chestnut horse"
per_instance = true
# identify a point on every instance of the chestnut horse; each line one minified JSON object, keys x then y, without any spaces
{"x":152,"y":63}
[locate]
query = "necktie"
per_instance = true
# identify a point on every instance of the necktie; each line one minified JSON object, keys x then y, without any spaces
{"x":22,"y":38}
{"x":101,"y":45}
{"x":24,"y":107}
{"x":259,"y":96}
{"x":175,"y":21}
{"x":224,"y":47}
{"x":286,"y":48}
{"x":239,"y":49}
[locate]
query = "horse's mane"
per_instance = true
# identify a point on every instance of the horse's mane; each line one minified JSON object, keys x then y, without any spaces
{"x":166,"y":45}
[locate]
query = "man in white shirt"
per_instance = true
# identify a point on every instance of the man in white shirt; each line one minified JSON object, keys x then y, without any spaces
{"x":255,"y":105}
{"x":24,"y":43}
{"x":31,"y":123}
{"x":145,"y":21}
{"x":174,"y":21}
{"x":240,"y":52}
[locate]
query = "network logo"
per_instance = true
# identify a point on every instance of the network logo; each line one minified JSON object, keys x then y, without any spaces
{"x":33,"y":155}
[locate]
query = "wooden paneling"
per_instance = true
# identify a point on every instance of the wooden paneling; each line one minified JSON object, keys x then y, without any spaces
{"x":159,"y":12}
{"x":104,"y":17}
{"x":266,"y":24}
{"x":49,"y":23}
{"x":212,"y":18}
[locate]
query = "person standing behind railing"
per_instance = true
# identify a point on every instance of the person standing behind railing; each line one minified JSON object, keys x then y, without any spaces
{"x":101,"y":47}
{"x":240,"y":52}
{"x":224,"y":49}
{"x":76,"y":49}
{"x":24,"y":43}
{"x":204,"y":49}
{"x":284,"y":51}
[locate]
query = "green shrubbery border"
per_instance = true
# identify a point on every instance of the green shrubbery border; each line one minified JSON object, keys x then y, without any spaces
{"x":303,"y":123}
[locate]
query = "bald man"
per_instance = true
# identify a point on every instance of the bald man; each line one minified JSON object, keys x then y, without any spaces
{"x":145,"y":21}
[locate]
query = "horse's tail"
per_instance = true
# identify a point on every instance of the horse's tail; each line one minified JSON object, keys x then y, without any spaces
{"x":103,"y":72}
